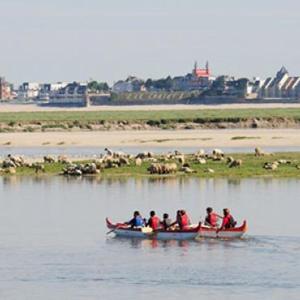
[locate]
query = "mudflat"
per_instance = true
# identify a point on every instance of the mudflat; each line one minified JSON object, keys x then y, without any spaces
{"x":168,"y":138}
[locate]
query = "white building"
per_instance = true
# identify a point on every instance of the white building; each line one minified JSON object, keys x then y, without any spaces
{"x":72,"y":94}
{"x":28,"y":90}
{"x":281,"y":86}
{"x":48,"y":90}
{"x":131,"y":84}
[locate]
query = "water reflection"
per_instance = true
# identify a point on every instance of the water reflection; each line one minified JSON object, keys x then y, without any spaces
{"x":147,"y":243}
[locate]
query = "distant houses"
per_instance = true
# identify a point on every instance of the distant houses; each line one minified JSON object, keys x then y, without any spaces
{"x":281,"y":86}
{"x":131,"y":84}
{"x":199,"y":83}
{"x":6,"y":92}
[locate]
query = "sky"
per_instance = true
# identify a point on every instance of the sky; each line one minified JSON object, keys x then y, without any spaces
{"x":107,"y":40}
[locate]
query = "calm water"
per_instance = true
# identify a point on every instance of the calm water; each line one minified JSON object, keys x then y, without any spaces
{"x":96,"y":151}
{"x":53,"y":242}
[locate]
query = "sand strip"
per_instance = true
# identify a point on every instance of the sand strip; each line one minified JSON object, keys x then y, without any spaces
{"x":163,"y":138}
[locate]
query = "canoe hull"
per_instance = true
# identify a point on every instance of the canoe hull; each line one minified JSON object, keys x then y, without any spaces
{"x":232,"y":233}
{"x":156,"y":235}
{"x":197,"y":231}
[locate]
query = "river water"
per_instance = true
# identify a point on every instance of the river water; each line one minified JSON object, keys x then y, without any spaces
{"x":53,"y":242}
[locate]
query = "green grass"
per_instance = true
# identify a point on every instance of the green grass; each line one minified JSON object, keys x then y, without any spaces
{"x":252,"y":167}
{"x":245,"y":137}
{"x":152,"y":117}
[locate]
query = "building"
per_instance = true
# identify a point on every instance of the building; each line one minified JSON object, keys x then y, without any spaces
{"x":281,"y":86}
{"x":29,"y":91}
{"x":199,"y":79}
{"x":131,"y":84}
{"x":72,"y":94}
{"x":49,"y":90}
{"x":5,"y":89}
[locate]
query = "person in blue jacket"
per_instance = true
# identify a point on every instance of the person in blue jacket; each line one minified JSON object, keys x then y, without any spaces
{"x":137,"y":220}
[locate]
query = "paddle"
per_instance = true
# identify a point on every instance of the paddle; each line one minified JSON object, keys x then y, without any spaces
{"x":111,"y":231}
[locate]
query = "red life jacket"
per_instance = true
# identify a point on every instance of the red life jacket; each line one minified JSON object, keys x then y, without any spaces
{"x":184,"y":220}
{"x":154,"y":222}
{"x":213,"y":218}
{"x":228,"y":222}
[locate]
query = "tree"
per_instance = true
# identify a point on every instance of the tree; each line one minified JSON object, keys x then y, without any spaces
{"x":95,"y":86}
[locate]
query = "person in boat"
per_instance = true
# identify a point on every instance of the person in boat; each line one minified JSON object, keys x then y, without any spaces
{"x":178,"y":220}
{"x":228,"y":220}
{"x":137,"y":220}
{"x":182,"y":219}
{"x":166,"y":222}
{"x":185,"y":220}
{"x":154,"y":221}
{"x":211,"y":218}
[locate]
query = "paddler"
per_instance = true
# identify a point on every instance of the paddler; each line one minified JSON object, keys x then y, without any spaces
{"x":166,"y":222}
{"x":185,"y":220}
{"x":228,"y":220}
{"x":211,"y":218}
{"x":137,"y":220}
{"x":154,"y":221}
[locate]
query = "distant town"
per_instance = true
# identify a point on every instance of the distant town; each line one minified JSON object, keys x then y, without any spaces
{"x":195,"y":87}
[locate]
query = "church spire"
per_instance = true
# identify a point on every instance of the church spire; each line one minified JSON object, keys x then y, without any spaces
{"x":207,"y":66}
{"x":195,"y":65}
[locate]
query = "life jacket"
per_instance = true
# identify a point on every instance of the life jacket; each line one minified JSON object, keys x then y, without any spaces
{"x":184,"y":221}
{"x":212,"y":219}
{"x":229,"y":222}
{"x":154,"y":222}
{"x":138,"y":221}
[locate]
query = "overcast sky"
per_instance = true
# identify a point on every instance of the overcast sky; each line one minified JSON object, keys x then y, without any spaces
{"x":107,"y":40}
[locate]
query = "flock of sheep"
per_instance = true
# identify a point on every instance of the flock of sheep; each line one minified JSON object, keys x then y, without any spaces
{"x":169,"y":163}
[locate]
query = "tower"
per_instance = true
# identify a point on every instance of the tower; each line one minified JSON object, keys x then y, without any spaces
{"x":195,"y":67}
{"x":207,"y":66}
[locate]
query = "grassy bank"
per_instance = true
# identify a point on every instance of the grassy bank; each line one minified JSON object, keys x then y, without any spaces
{"x":162,"y":119}
{"x":168,"y":115}
{"x":251,"y":167}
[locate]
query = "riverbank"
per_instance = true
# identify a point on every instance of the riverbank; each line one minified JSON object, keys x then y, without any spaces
{"x":248,"y":165}
{"x":6,"y":107}
{"x":132,"y":120}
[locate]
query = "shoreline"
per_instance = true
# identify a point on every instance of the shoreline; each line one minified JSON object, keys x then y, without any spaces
{"x":35,"y":108}
{"x":156,"y":138}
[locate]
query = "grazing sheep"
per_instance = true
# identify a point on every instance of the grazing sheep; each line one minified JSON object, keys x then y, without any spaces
{"x":200,"y":153}
{"x":63,"y":159}
{"x":217,"y":158}
{"x":284,"y":162}
{"x":109,"y":151}
{"x":181,"y":159}
{"x":123,"y":161}
{"x":187,"y":170}
{"x":142,"y":155}
{"x":10,"y":170}
{"x":218,"y":152}
{"x":169,"y":168}
{"x":201,"y":161}
{"x":271,"y":165}
{"x":235,"y":163}
{"x":49,"y":159}
{"x":138,"y":162}
{"x":208,"y":170}
{"x":259,"y":152}
{"x":176,"y":152}
{"x":38,"y":167}
{"x":156,"y":168}
{"x":230,"y":159}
